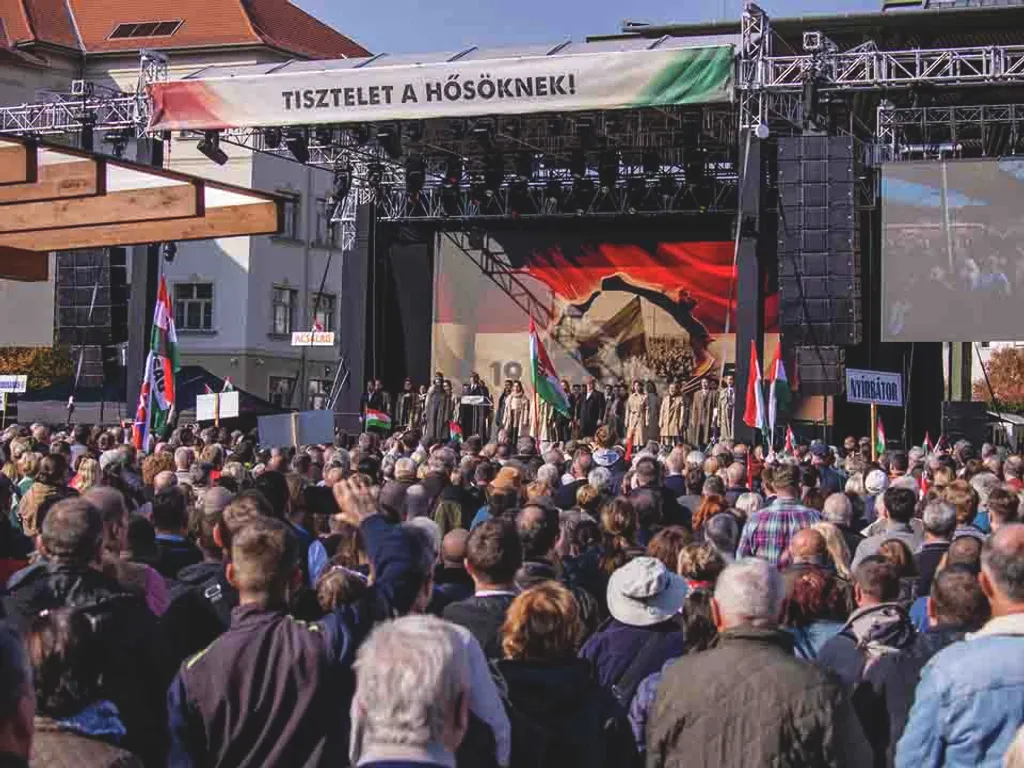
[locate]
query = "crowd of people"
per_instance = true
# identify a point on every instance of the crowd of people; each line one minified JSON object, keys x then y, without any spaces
{"x":404,"y":601}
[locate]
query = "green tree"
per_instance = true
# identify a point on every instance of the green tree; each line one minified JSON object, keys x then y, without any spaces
{"x":42,"y":365}
{"x":1006,"y":373}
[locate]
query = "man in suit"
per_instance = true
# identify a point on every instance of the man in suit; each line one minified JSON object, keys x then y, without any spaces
{"x":592,"y":409}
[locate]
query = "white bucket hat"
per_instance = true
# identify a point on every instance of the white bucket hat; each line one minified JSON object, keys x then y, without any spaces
{"x":644,"y":592}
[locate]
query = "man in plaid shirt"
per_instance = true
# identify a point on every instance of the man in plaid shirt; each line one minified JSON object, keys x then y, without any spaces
{"x":768,"y":532}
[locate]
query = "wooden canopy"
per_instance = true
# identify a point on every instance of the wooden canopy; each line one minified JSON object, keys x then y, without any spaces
{"x":54,"y":198}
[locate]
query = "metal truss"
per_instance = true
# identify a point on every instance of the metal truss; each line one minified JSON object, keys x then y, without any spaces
{"x":481,"y":250}
{"x":906,"y":133}
{"x":69,"y":113}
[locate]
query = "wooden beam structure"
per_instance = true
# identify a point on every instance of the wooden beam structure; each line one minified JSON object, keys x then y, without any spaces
{"x":56,"y":198}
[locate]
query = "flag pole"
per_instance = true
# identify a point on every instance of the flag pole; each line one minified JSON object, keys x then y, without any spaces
{"x":874,"y":432}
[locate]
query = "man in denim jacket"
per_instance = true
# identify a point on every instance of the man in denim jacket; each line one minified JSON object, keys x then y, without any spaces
{"x":970,"y":700}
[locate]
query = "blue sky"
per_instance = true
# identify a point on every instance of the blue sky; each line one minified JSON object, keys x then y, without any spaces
{"x":404,"y":26}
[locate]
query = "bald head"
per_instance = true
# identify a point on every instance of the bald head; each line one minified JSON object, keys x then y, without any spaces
{"x":809,"y":547}
{"x":453,"y":546}
{"x":1002,"y":566}
{"x":164,"y":481}
{"x":737,"y":474}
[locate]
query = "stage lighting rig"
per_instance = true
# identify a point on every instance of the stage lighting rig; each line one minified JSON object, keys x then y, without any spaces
{"x":272,"y":138}
{"x":608,"y":170}
{"x":483,"y":132}
{"x":209,"y":145}
{"x":651,"y":162}
{"x":415,"y":175}
{"x":374,"y":175}
{"x":342,"y":183}
{"x":453,"y":172}
{"x":525,"y":163}
{"x":323,"y":135}
{"x":578,"y":163}
{"x":585,"y":131}
{"x":389,"y":138}
{"x":298,"y":144}
{"x":494,"y":172}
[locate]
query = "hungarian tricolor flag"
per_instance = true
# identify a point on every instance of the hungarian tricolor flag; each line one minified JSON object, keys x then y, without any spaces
{"x":228,"y":386}
{"x":378,"y":420}
{"x":545,"y":379}
{"x":927,"y":446}
{"x":778,"y":392}
{"x":753,"y":414}
{"x":455,"y":431}
{"x":790,"y":442}
{"x":157,"y":396}
{"x":880,"y":438}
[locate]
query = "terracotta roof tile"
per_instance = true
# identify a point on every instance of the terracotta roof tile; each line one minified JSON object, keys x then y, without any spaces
{"x":205,"y":23}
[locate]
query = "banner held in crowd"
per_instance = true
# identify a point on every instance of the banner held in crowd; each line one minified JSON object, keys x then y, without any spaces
{"x":157,"y":394}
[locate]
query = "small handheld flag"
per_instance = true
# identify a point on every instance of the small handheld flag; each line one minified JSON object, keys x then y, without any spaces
{"x":880,"y":438}
{"x":789,"y":441}
{"x":378,"y":420}
{"x":455,"y":431}
{"x":753,"y":414}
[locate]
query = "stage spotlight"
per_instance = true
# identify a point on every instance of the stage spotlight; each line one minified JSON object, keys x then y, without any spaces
{"x":453,"y":172}
{"x":298,"y":144}
{"x":414,"y":131}
{"x":323,"y":135}
{"x":578,"y":163}
{"x":651,"y":162}
{"x":389,"y":138}
{"x":608,"y":169}
{"x":374,"y":175}
{"x":272,"y":138}
{"x":342,"y":183}
{"x":494,"y":171}
{"x":209,"y":145}
{"x":415,"y":175}
{"x":585,"y":131}
{"x":361,"y":134}
{"x":636,"y":194}
{"x":169,"y":251}
{"x":525,"y":163}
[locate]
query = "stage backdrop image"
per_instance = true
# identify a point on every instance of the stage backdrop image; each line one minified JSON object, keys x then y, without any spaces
{"x":953,"y":250}
{"x":649,"y":306}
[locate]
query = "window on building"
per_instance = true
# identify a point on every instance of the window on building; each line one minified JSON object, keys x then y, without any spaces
{"x":193,"y":306}
{"x":319,"y":391}
{"x":322,"y":312}
{"x":145,"y":29}
{"x":326,"y":235}
{"x":292,"y":224}
{"x":280,"y":391}
{"x":282,"y":304}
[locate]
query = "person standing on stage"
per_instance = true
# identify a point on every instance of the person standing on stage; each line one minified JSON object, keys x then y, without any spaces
{"x":576,"y":406}
{"x":516,"y":417}
{"x":437,"y":412}
{"x":563,"y":423}
{"x":636,"y":416}
{"x":701,"y":410}
{"x":475,"y":418}
{"x":671,"y":417}
{"x":726,"y":408}
{"x":404,"y":406}
{"x":379,"y":400}
{"x":615,"y":409}
{"x":419,"y":408}
{"x":653,"y":411}
{"x":499,"y":413}
{"x":592,"y":406}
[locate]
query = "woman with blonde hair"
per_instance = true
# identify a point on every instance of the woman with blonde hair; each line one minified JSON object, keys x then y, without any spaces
{"x":555,"y":689}
{"x":87,"y":475}
{"x":837,"y":549}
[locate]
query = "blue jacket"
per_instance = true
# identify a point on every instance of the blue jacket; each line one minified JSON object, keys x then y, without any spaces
{"x":276,"y":691}
{"x":970,"y":701}
{"x":615,"y":645}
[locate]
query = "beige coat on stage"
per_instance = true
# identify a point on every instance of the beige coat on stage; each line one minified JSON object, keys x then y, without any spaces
{"x":670,"y":421}
{"x":516,"y":418}
{"x":636,"y":419}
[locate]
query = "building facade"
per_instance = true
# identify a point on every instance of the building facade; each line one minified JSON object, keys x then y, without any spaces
{"x":237,"y":300}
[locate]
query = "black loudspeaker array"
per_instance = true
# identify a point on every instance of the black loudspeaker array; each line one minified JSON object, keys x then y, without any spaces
{"x":818,"y":257}
{"x":965,"y":421}
{"x":92,"y":307}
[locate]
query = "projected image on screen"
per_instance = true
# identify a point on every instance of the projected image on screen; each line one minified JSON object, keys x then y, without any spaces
{"x":953,"y":250}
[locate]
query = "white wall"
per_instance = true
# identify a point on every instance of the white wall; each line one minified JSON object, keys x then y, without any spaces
{"x":26,"y":312}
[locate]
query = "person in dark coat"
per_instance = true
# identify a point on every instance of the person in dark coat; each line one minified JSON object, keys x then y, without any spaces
{"x":170,"y":519}
{"x":956,"y":606}
{"x":939,"y":520}
{"x":644,"y":598}
{"x":748,"y":701}
{"x":879,"y":626}
{"x":580,"y":724}
{"x":493,"y":555}
{"x":838,"y":510}
{"x":591,"y":409}
{"x":452,"y":581}
{"x":582,"y":463}
{"x":276,"y":691}
{"x":135,"y":664}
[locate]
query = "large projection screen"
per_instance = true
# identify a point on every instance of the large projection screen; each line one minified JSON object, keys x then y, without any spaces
{"x":952,"y":250}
